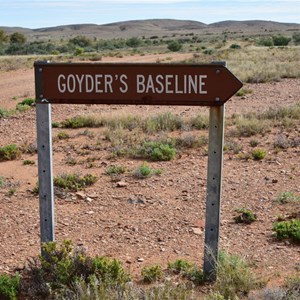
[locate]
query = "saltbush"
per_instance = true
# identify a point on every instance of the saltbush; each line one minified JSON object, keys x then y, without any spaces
{"x":9,"y":286}
{"x":288,"y":230}
{"x":9,"y":152}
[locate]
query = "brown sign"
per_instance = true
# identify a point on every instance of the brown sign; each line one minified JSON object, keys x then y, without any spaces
{"x":144,"y":84}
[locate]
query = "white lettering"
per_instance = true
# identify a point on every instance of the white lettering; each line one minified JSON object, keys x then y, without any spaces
{"x":150,"y":85}
{"x":201,"y":84}
{"x":98,"y":83}
{"x":80,"y":80}
{"x":177,"y":90}
{"x":108,"y":83}
{"x":89,"y":83}
{"x":159,"y":81}
{"x":140,"y":84}
{"x":168,"y":84}
{"x":192,"y":84}
{"x":124,"y":88}
{"x":61,"y":86}
{"x":71,"y":83}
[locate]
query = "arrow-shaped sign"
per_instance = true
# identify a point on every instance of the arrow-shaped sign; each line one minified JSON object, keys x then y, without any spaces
{"x":143,"y":84}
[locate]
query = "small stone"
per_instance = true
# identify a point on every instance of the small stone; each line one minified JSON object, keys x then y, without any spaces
{"x":90,"y":212}
{"x":197,"y":230}
{"x":88,"y":199}
{"x":140,"y":259}
{"x":80,"y":195}
{"x":274,"y":180}
{"x":122,"y":184}
{"x":94,"y":195}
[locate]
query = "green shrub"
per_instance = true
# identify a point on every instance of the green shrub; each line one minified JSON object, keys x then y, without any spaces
{"x":82,"y":121}
{"x":114,"y":170}
{"x":55,"y":124}
{"x":190,"y":141}
{"x":200,"y":122}
{"x":61,"y":264}
{"x":287,"y":197}
{"x":25,"y":104}
{"x":174,"y":46}
{"x":187,"y":270}
{"x":179,"y":266}
{"x":157,"y":151}
{"x":9,"y":152}
{"x":63,"y":135}
{"x":280,"y":40}
{"x":235,"y":46}
{"x":296,"y":38}
{"x":288,"y":230}
{"x":109,"y":271}
{"x":146,"y":171}
{"x":4,"y":113}
{"x":62,"y":267}
{"x":249,"y":127}
{"x":195,"y":274}
{"x":235,"y":278}
{"x":162,"y":122}
{"x":258,"y":154}
{"x":243,"y":92}
{"x":282,"y":113}
{"x":152,"y":274}
{"x":9,"y":286}
{"x":143,"y":171}
{"x":27,"y":162}
{"x":74,"y":182}
{"x":254,"y":143}
{"x":266,"y":42}
{"x":245,"y":216}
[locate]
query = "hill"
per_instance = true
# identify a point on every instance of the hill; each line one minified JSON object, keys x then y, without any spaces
{"x":154,"y":27}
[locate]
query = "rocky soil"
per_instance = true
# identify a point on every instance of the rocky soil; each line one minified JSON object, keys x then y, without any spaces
{"x":160,"y":218}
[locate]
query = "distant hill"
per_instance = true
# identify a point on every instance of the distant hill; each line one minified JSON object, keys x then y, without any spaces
{"x":155,"y":27}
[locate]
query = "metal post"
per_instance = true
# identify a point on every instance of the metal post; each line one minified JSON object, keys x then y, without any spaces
{"x":45,"y":170}
{"x":214,"y":189}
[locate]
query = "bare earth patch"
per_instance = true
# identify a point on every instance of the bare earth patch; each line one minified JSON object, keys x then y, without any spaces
{"x":160,"y":218}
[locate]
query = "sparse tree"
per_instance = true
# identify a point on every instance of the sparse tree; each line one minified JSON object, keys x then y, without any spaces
{"x":3,"y":37}
{"x":281,"y":40}
{"x":296,"y":38}
{"x":174,"y":46}
{"x":17,"y":38}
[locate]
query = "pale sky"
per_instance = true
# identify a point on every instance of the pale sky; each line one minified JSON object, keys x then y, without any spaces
{"x":48,"y":13}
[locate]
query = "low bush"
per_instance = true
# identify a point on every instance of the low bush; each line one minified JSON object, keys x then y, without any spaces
{"x":179,"y":266}
{"x":187,"y":270}
{"x":146,"y":171}
{"x":115,"y":170}
{"x":152,"y":274}
{"x":258,"y":154}
{"x":9,"y":286}
{"x":74,"y":182}
{"x":25,"y":104}
{"x":245,"y":216}
{"x":200,"y":121}
{"x":288,"y":230}
{"x":247,"y":127}
{"x":243,"y":92}
{"x":156,"y":151}
{"x":9,"y":152}
{"x":62,"y":268}
{"x":287,"y":197}
{"x":235,"y":278}
{"x":82,"y":121}
{"x":63,"y":135}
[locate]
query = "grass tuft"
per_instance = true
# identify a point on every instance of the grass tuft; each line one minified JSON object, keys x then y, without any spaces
{"x":74,"y":182}
{"x":9,"y":152}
